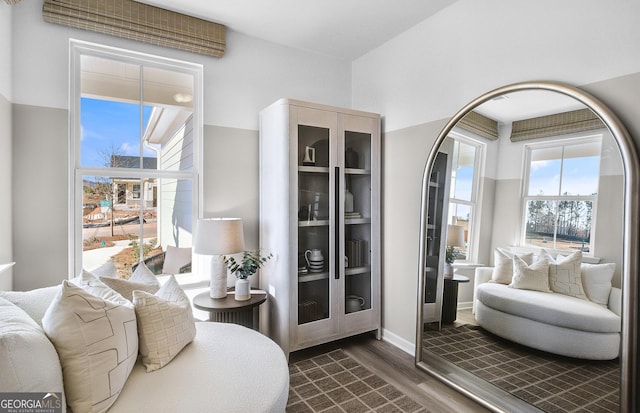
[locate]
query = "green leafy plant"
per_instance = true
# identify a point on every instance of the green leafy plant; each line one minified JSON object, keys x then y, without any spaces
{"x":249,"y":265}
{"x":451,"y":254}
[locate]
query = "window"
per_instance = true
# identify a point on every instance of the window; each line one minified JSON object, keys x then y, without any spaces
{"x":463,"y":193}
{"x":135,"y":155}
{"x":561,"y":190}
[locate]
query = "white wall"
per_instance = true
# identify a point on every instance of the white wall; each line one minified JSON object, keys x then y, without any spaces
{"x":6,"y":254}
{"x":429,"y":72}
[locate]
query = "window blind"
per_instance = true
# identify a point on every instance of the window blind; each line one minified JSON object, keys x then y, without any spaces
{"x":140,"y":22}
{"x":558,"y":124}
{"x":479,"y":124}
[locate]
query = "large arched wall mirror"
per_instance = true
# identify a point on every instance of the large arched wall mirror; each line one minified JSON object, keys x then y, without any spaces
{"x":496,"y":178}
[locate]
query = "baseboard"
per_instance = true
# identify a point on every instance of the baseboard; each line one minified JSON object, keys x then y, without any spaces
{"x":394,"y":339}
{"x":465,"y":305}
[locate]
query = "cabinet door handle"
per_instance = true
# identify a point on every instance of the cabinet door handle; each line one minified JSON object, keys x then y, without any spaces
{"x":337,"y":221}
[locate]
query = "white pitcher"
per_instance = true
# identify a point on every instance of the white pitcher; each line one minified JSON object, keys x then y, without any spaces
{"x":315,"y":260}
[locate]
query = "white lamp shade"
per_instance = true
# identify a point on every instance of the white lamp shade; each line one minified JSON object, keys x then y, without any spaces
{"x":455,"y":236}
{"x":218,"y":236}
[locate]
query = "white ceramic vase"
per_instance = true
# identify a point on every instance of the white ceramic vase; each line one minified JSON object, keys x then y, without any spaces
{"x":243,"y":289}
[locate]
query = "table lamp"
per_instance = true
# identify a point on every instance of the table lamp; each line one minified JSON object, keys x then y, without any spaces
{"x":455,"y":238}
{"x":217,"y":237}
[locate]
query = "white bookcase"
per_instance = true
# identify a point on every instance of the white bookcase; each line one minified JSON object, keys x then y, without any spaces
{"x":319,"y":190}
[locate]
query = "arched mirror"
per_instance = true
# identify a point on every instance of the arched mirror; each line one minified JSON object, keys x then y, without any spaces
{"x":529,"y":252}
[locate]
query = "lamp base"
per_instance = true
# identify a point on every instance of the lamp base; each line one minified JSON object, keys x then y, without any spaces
{"x":218,"y":284}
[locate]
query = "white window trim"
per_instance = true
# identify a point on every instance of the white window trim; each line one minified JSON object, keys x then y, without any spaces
{"x":554,"y":143}
{"x":79,"y":48}
{"x":476,"y":194}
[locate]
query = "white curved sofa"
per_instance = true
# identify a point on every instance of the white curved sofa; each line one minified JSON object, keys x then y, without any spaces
{"x":226,"y":368}
{"x":552,"y":322}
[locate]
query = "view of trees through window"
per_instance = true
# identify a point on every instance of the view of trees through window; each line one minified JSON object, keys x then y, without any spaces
{"x":562,"y":189}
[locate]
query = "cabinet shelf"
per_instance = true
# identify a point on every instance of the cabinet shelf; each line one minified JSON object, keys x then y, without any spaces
{"x":316,"y":223}
{"x":304,"y":277}
{"x":357,"y":270}
{"x":357,"y":171}
{"x":355,"y":221}
{"x":314,"y":169}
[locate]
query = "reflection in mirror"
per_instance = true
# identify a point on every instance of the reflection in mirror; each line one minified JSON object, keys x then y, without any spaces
{"x":523,"y":253}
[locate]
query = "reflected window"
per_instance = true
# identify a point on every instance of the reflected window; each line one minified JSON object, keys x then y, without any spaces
{"x":463,"y":192}
{"x":134,"y":156}
{"x":561,"y":192}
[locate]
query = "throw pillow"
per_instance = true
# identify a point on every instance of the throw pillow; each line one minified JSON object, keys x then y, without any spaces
{"x":503,"y":265}
{"x":28,"y":360}
{"x":34,"y":302}
{"x":564,"y":274}
{"x":144,"y":275}
{"x":94,"y":332}
{"x":107,"y":269}
{"x":165,"y":323}
{"x":530,"y":277}
{"x":125,"y":287}
{"x":175,"y":258}
{"x":596,"y":279}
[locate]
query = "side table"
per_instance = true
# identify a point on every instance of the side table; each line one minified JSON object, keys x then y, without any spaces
{"x":450,"y":297}
{"x":228,"y":309}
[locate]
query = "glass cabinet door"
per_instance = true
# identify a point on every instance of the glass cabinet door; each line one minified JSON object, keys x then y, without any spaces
{"x":314,"y":188}
{"x":356,"y":211}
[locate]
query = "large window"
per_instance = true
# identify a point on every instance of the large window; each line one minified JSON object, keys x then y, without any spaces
{"x":463,"y":193}
{"x":135,"y":155}
{"x":561,"y":190}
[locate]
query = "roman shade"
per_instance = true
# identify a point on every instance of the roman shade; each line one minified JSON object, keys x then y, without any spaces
{"x":479,"y":124}
{"x":140,"y":22}
{"x":557,"y":124}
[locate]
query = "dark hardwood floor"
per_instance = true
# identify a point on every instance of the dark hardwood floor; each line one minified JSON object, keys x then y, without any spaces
{"x":398,"y":369}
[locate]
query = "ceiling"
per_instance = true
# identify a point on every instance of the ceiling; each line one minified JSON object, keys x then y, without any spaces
{"x":344,"y":29}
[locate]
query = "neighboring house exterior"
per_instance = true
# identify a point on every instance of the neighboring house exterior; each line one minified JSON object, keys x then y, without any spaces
{"x":130,"y":193}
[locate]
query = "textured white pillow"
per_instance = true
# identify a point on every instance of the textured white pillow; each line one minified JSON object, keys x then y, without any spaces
{"x":144,"y":275}
{"x":530,"y":277}
{"x":107,"y":269}
{"x":596,"y":279}
{"x":34,"y":302}
{"x":125,"y":287}
{"x":175,"y":258}
{"x":165,"y":323}
{"x":94,"y":331}
{"x":28,"y":360}
{"x":503,"y":265}
{"x":564,"y":274}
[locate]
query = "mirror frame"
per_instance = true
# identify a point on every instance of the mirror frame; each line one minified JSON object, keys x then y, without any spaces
{"x":629,"y":283}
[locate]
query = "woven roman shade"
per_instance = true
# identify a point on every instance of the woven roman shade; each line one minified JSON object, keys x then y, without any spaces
{"x":480,"y":125}
{"x":140,"y":22}
{"x":557,"y":124}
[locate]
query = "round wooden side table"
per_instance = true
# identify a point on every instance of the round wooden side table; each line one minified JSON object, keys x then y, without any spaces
{"x":228,"y":309}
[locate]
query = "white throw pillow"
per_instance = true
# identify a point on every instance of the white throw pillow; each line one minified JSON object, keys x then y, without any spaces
{"x":165,"y":323}
{"x":530,"y":277}
{"x":596,"y":279}
{"x":564,"y":274}
{"x":28,"y":360}
{"x":34,"y":302}
{"x":94,"y":331}
{"x":125,"y":287}
{"x":144,"y":275}
{"x":503,"y":265}
{"x":107,"y":269}
{"x":175,"y":258}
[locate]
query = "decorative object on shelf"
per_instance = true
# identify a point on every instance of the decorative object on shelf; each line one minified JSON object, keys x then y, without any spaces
{"x":315,"y":260}
{"x":356,"y":251}
{"x":217,"y":237}
{"x":249,"y":265}
{"x":455,"y":238}
{"x":309,"y":156}
{"x":348,"y":201}
{"x":354,"y":303}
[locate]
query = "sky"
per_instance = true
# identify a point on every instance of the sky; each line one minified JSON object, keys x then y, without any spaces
{"x":109,"y":124}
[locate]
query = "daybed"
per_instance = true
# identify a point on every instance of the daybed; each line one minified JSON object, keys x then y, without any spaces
{"x":226,"y":368}
{"x":552,"y":322}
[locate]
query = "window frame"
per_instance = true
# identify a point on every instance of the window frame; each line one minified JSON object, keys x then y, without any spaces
{"x":80,"y":48}
{"x":586,"y":138}
{"x":476,"y":190}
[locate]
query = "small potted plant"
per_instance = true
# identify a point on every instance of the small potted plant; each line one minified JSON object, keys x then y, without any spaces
{"x":450,"y":256}
{"x":249,"y":265}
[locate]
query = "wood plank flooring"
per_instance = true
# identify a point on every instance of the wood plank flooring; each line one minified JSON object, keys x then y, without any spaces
{"x":398,"y":369}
